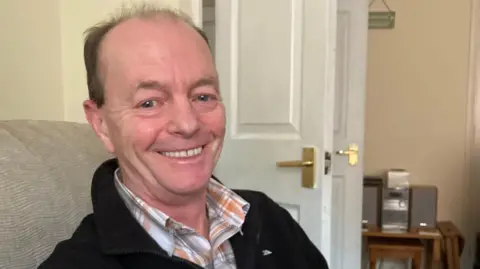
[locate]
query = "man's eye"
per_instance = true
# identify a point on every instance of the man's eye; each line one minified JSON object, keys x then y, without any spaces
{"x":148,"y":104}
{"x":204,"y":98}
{"x":205,"y":102}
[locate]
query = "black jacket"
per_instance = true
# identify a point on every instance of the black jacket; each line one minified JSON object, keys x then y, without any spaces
{"x":111,"y":238}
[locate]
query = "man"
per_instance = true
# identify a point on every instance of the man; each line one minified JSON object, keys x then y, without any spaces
{"x":155,"y":103}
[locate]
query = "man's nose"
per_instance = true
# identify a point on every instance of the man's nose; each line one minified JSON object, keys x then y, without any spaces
{"x":184,"y":120}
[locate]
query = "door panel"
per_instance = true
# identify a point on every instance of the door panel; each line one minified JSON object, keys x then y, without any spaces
{"x":268,"y":75}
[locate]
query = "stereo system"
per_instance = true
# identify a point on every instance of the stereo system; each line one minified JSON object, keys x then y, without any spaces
{"x":395,"y":209}
{"x":412,"y":208}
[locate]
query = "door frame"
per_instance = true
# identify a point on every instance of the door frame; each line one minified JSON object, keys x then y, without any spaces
{"x":472,"y":147}
{"x":196,"y":10}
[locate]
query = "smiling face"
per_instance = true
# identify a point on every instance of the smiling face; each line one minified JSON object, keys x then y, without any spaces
{"x":163,"y":117}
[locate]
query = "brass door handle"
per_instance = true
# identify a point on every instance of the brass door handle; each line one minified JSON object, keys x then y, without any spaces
{"x":294,"y":164}
{"x":308,"y":166}
{"x":351,"y":152}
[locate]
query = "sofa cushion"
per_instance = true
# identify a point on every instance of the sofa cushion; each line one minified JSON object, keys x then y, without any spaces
{"x":45,"y":174}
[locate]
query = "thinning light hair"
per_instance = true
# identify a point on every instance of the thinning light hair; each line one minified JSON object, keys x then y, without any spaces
{"x":95,"y":35}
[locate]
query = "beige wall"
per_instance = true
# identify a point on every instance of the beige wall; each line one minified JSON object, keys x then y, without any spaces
{"x":41,"y":67}
{"x":30,"y":63}
{"x":416,"y":99}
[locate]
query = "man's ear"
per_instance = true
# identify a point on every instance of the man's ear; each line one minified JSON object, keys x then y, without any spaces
{"x":96,"y":119}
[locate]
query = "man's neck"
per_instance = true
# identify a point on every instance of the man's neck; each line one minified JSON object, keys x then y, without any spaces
{"x":192,"y":214}
{"x":189,"y":210}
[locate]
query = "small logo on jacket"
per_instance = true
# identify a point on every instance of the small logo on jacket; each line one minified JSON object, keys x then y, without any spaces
{"x":266,"y":252}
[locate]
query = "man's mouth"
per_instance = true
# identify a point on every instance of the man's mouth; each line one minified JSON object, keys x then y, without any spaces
{"x":183,"y":153}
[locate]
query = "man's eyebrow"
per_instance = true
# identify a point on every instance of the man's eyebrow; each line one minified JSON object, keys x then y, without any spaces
{"x":151,"y":85}
{"x":156,"y":85}
{"x":205,"y":81}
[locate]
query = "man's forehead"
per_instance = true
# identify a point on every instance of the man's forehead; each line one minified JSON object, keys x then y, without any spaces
{"x":142,"y":50}
{"x":153,"y":42}
{"x":131,"y":33}
{"x":154,"y":34}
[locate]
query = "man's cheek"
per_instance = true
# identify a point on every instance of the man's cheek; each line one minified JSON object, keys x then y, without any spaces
{"x":215,"y":120}
{"x":143,"y":135}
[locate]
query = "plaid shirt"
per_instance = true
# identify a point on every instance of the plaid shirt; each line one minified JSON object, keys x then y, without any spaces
{"x":226,"y":213}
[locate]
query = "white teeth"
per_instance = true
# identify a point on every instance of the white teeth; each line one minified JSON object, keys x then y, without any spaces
{"x":183,"y":153}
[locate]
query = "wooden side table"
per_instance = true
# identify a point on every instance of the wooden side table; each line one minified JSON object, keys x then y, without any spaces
{"x":432,"y":239}
{"x":400,"y":249}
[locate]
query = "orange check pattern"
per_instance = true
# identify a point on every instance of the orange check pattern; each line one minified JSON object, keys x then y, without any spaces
{"x":226,"y":213}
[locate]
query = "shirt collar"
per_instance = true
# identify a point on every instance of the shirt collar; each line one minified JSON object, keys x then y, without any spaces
{"x":225,"y":203}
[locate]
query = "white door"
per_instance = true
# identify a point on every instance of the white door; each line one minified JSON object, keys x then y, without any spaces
{"x":347,"y":180}
{"x":276,"y":62}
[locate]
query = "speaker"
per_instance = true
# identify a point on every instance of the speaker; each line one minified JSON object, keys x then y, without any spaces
{"x":423,"y":208}
{"x":371,"y":208}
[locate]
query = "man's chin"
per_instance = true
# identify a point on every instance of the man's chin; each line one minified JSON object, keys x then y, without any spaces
{"x":183,"y":178}
{"x":189,"y":187}
{"x":187,"y":176}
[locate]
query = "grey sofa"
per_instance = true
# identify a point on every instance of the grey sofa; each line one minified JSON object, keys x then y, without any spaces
{"x":45,"y":174}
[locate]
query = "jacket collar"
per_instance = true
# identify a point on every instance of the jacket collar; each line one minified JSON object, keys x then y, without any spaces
{"x":118,"y":231}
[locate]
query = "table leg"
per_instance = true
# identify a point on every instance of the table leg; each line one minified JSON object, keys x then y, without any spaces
{"x":417,"y":260}
{"x":373,"y":263}
{"x":436,"y":254}
{"x":373,"y":259}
